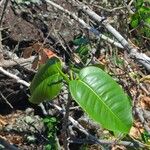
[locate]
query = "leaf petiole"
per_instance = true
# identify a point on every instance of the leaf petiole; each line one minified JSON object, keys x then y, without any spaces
{"x":63,"y":75}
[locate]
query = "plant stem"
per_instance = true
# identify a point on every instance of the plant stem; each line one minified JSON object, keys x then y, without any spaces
{"x":71,"y":74}
{"x":65,"y":124}
{"x":63,"y":75}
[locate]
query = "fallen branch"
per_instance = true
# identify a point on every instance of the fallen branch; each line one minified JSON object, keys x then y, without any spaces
{"x":11,"y":62}
{"x":85,"y":25}
{"x":133,"y":52}
{"x":14,"y":77}
{"x":108,"y":9}
{"x":142,"y":119}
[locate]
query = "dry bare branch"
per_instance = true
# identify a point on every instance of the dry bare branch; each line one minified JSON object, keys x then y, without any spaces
{"x":10,"y":63}
{"x":14,"y":77}
{"x":85,"y":25}
{"x":141,"y":58}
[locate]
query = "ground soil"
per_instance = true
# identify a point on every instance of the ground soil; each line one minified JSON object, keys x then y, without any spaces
{"x":27,"y":26}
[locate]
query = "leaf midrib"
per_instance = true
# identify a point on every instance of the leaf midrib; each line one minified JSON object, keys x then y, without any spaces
{"x":88,"y":86}
{"x":46,"y":79}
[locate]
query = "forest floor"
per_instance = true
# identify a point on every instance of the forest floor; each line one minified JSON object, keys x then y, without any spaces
{"x":29,"y":32}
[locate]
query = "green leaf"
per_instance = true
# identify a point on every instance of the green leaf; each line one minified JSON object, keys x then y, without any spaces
{"x":102,"y":99}
{"x":83,"y":50}
{"x":147,"y":20}
{"x":146,"y":31}
{"x":139,"y":3}
{"x":145,"y":136}
{"x":144,"y":10}
{"x":47,"y":82}
{"x":46,"y":70}
{"x":80,"y":41}
{"x":135,"y":21}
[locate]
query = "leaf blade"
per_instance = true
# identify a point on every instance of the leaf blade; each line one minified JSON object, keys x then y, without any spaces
{"x":47,"y":82}
{"x":47,"y":89}
{"x":90,"y":92}
{"x":44,"y":71}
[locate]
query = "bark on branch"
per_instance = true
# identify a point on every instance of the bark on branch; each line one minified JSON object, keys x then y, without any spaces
{"x":141,"y":58}
{"x":11,"y":62}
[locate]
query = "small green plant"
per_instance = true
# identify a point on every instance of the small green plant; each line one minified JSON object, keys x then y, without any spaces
{"x":51,"y":126}
{"x":145,"y":137}
{"x":141,"y":18}
{"x":82,"y":44}
{"x":82,"y":48}
{"x":93,"y":89}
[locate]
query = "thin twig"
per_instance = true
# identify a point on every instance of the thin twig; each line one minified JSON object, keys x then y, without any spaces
{"x":3,"y":12}
{"x":10,"y":63}
{"x":108,"y":9}
{"x":128,"y":6}
{"x":7,"y":102}
{"x":85,"y":25}
{"x":14,"y":77}
{"x":65,"y":124}
{"x":142,"y":119}
{"x":1,"y":47}
{"x":141,"y":58}
{"x":96,"y":140}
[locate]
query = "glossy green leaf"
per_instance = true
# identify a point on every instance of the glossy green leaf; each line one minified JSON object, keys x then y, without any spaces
{"x":45,"y":70}
{"x":102,"y":99}
{"x":47,"y":82}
